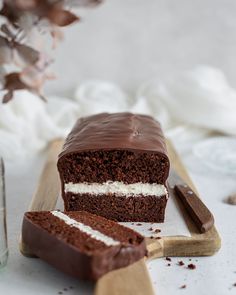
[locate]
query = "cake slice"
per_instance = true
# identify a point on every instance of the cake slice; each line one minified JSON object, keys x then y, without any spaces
{"x":116,"y":166}
{"x":81,"y":244}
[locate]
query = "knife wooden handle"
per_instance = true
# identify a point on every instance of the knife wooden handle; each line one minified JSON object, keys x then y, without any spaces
{"x":199,"y":213}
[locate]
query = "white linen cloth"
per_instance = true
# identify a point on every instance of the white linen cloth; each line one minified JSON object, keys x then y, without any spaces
{"x":189,"y":105}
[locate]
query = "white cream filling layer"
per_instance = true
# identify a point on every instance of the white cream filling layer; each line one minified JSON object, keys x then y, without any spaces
{"x":116,"y":187}
{"x":97,"y":235}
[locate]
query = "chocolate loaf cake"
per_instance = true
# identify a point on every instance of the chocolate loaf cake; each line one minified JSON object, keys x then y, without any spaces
{"x":116,"y":166}
{"x":81,"y":244}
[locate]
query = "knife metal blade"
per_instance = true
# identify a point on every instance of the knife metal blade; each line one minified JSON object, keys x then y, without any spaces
{"x":197,"y":210}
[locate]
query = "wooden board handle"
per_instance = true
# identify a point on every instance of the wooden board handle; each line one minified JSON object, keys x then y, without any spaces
{"x":155,"y":248}
{"x":131,"y":280}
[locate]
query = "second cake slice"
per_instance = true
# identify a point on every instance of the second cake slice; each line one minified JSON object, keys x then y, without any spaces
{"x":116,"y":166}
{"x":81,"y":244}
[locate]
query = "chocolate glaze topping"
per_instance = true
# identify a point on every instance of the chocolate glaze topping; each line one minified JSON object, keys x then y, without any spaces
{"x":45,"y":237}
{"x":118,"y":131}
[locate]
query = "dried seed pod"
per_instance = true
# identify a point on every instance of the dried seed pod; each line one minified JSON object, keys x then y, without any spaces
{"x":232,"y":199}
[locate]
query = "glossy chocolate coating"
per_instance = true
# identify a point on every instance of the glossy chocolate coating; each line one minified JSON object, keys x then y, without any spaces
{"x":118,"y":131}
{"x":69,"y":259}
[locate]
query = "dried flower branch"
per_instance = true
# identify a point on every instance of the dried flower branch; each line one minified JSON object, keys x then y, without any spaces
{"x":23,"y":65}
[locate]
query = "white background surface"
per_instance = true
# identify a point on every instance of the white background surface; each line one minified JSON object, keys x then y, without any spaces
{"x":131,"y":41}
{"x":128,"y":42}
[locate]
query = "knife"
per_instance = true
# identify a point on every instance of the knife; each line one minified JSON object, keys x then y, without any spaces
{"x":3,"y":228}
{"x":198,"y":212}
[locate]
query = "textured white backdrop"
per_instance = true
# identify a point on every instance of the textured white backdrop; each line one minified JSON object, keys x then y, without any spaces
{"x":130,"y":41}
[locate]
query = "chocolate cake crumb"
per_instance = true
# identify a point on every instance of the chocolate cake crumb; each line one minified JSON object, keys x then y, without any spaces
{"x":150,"y":229}
{"x":190,"y":259}
{"x":138,"y":224}
{"x":65,"y":289}
{"x":151,"y":237}
{"x":180,"y":263}
{"x":60,"y":292}
{"x":158,"y":238}
{"x":168,"y":258}
{"x":168,"y":264}
{"x":157,"y":230}
{"x":183,"y":287}
{"x":234,"y":284}
{"x":191,"y":266}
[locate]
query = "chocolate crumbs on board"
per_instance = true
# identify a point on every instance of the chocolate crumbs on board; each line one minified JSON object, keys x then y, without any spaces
{"x":157,"y":230}
{"x":180,"y":263}
{"x":191,"y":266}
{"x":168,"y":258}
{"x":183,"y":287}
{"x":168,"y":264}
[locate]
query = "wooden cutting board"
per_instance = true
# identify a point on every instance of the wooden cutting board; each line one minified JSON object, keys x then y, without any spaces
{"x":134,"y":279}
